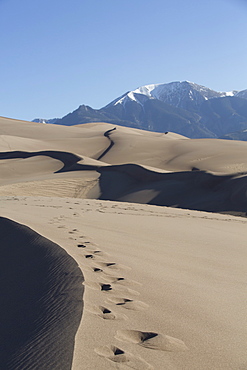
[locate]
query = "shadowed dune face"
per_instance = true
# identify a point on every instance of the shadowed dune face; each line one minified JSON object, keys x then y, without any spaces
{"x":171,"y":153}
{"x":41,"y":300}
{"x":197,"y":190}
{"x":69,"y":160}
{"x":124,"y":165}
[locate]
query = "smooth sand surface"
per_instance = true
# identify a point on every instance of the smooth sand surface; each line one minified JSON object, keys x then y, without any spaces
{"x":41,"y":300}
{"x":165,"y":287}
{"x":103,"y":161}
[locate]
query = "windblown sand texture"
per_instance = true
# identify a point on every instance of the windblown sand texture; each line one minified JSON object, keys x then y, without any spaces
{"x":165,"y":288}
{"x":102,"y":161}
{"x":41,"y":307}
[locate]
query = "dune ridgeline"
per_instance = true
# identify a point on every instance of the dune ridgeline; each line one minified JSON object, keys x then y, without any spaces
{"x":121,"y":249}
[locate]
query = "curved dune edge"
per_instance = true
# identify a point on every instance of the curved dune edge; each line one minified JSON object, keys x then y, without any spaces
{"x":41,"y":300}
{"x":188,"y":268}
{"x":196,"y":190}
{"x":200,"y":174}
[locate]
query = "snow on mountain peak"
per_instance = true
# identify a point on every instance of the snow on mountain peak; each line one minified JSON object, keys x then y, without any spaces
{"x":174,"y":93}
{"x":143,"y":90}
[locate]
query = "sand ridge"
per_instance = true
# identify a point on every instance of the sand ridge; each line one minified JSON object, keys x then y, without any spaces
{"x":188,"y":288}
{"x":128,"y":165}
{"x":41,"y":300}
{"x":164,"y":286}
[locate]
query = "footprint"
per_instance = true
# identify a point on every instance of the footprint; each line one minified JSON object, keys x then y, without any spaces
{"x":88,"y":268}
{"x":91,"y":256}
{"x":82,"y":245}
{"x":100,"y":253}
{"x":120,"y":280}
{"x":152,"y":340}
{"x":116,"y":354}
{"x":128,"y":304}
{"x":99,"y":286}
{"x":73,"y":231}
{"x":112,"y":265}
{"x":90,"y":247}
{"x":114,"y":279}
{"x":105,"y":313}
{"x":97,"y":269}
{"x":104,"y":287}
{"x":94,"y":254}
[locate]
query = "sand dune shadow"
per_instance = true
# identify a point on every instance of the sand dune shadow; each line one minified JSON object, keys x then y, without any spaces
{"x":41,"y":300}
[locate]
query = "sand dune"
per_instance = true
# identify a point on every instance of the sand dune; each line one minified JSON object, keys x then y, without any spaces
{"x":179,"y":275}
{"x":165,"y":287}
{"x":41,"y":300}
{"x":196,"y":190}
{"x":167,"y":169}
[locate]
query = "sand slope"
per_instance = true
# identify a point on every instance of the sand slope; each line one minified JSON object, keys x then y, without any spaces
{"x":196,"y":190}
{"x":165,"y":287}
{"x":99,"y":160}
{"x":41,"y":300}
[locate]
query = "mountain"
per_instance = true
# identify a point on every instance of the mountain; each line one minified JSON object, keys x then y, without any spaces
{"x":182,"y":107}
{"x":185,"y":95}
{"x":237,"y":135}
{"x":43,"y":120}
{"x":242,"y":94}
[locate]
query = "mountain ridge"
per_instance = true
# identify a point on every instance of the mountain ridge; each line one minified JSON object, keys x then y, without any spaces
{"x":183,"y":107}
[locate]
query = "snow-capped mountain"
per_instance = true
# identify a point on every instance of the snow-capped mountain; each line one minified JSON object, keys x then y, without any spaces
{"x":242,"y":94}
{"x":183,"y":107}
{"x":43,"y":120}
{"x":183,"y":94}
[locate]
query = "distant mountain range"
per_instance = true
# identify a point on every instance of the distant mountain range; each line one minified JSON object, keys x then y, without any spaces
{"x":182,"y":107}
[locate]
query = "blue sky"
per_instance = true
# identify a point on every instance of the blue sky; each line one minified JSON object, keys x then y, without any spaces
{"x":57,"y":54}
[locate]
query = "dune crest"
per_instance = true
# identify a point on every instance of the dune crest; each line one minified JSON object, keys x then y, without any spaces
{"x":41,"y":300}
{"x":123,"y":164}
{"x":165,"y":282}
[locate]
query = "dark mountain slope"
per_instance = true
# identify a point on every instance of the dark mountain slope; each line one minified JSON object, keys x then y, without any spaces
{"x":183,"y":107}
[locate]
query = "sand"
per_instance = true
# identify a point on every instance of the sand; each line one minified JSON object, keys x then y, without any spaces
{"x":165,"y":287}
{"x":41,"y":300}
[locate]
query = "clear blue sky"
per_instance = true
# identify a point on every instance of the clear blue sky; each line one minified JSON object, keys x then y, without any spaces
{"x":58,"y":54}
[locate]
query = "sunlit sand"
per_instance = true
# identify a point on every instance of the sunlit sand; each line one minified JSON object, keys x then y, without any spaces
{"x":110,"y":277}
